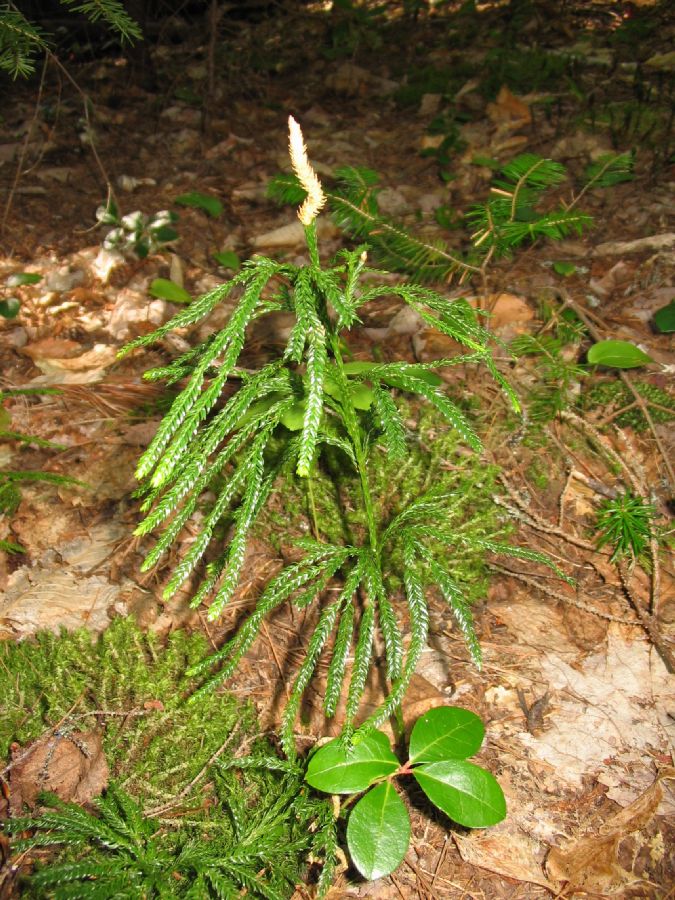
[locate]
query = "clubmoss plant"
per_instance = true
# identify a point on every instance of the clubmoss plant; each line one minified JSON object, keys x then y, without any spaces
{"x":313,"y":397}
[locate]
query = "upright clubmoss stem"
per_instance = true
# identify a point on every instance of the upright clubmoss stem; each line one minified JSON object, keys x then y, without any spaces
{"x":354,"y":431}
{"x":312,"y":244}
{"x":312,"y":507}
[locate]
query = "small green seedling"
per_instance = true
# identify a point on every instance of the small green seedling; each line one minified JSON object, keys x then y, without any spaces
{"x":210,"y":205}
{"x":137,"y":233}
{"x":563,"y":268}
{"x":617,"y":355}
{"x":165,"y":289}
{"x":10,"y":306}
{"x":378,"y":830}
{"x":625,"y":523}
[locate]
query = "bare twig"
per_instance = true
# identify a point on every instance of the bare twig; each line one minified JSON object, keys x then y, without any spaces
{"x":158,"y":810}
{"x":569,"y":601}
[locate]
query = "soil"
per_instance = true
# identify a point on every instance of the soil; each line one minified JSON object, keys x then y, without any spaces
{"x":576,"y":690}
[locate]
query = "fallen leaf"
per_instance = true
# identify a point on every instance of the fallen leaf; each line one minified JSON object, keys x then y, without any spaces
{"x":52,"y":348}
{"x":509,"y":112}
{"x":72,"y":766}
{"x":510,"y":854}
{"x":590,"y":863}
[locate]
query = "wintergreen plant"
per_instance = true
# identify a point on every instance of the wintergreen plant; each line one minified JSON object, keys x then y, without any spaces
{"x":378,"y":829}
{"x":136,"y":232}
{"x":280,"y":420}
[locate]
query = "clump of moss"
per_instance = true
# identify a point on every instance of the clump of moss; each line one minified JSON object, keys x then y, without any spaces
{"x":130,"y":685}
{"x":615,"y":395}
{"x":252,"y":819}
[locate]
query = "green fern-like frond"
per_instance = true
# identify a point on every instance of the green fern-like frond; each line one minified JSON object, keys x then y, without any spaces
{"x":20,"y":40}
{"x":112,"y":12}
{"x":403,"y":380}
{"x":610,"y":169}
{"x":392,"y":424}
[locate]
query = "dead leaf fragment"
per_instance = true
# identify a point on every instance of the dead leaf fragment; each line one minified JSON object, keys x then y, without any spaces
{"x":512,"y":855}
{"x":508,"y":112}
{"x":72,"y":766}
{"x":655,"y":242}
{"x":590,"y":863}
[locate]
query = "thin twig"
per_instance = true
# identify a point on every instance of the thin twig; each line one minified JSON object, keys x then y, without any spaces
{"x":569,"y":601}
{"x":158,"y":810}
{"x":647,"y":621}
{"x":24,"y":150}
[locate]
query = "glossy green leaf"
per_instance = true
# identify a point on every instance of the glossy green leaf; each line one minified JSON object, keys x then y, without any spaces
{"x":378,"y":832}
{"x":466,"y":793}
{"x":358,"y":367}
{"x":228,"y":259}
{"x":194,"y":199}
{"x":560,"y":267}
{"x":335,"y":770}
{"x":447,"y":732}
{"x":361,"y":394}
{"x":165,"y":234}
{"x":664,"y":318}
{"x":169,"y":290}
{"x":9,"y":309}
{"x":294,"y":417}
{"x":19,"y":278}
{"x":617,"y":355}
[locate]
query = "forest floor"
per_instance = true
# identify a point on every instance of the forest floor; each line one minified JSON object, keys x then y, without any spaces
{"x":576,"y":691}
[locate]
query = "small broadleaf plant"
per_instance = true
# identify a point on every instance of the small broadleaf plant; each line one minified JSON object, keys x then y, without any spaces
{"x":136,"y":233}
{"x":378,"y":828}
{"x":279,"y":421}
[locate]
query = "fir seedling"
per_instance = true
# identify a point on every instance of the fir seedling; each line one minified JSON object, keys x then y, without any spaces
{"x":626,"y":525}
{"x":511,"y":216}
{"x":21,"y":40}
{"x":280,"y":420}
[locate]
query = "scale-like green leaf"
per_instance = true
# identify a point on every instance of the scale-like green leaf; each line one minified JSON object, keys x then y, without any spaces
{"x":196,"y":200}
{"x":339,"y":770}
{"x":617,"y":355}
{"x":447,"y":732}
{"x":466,"y":793}
{"x":378,"y":832}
